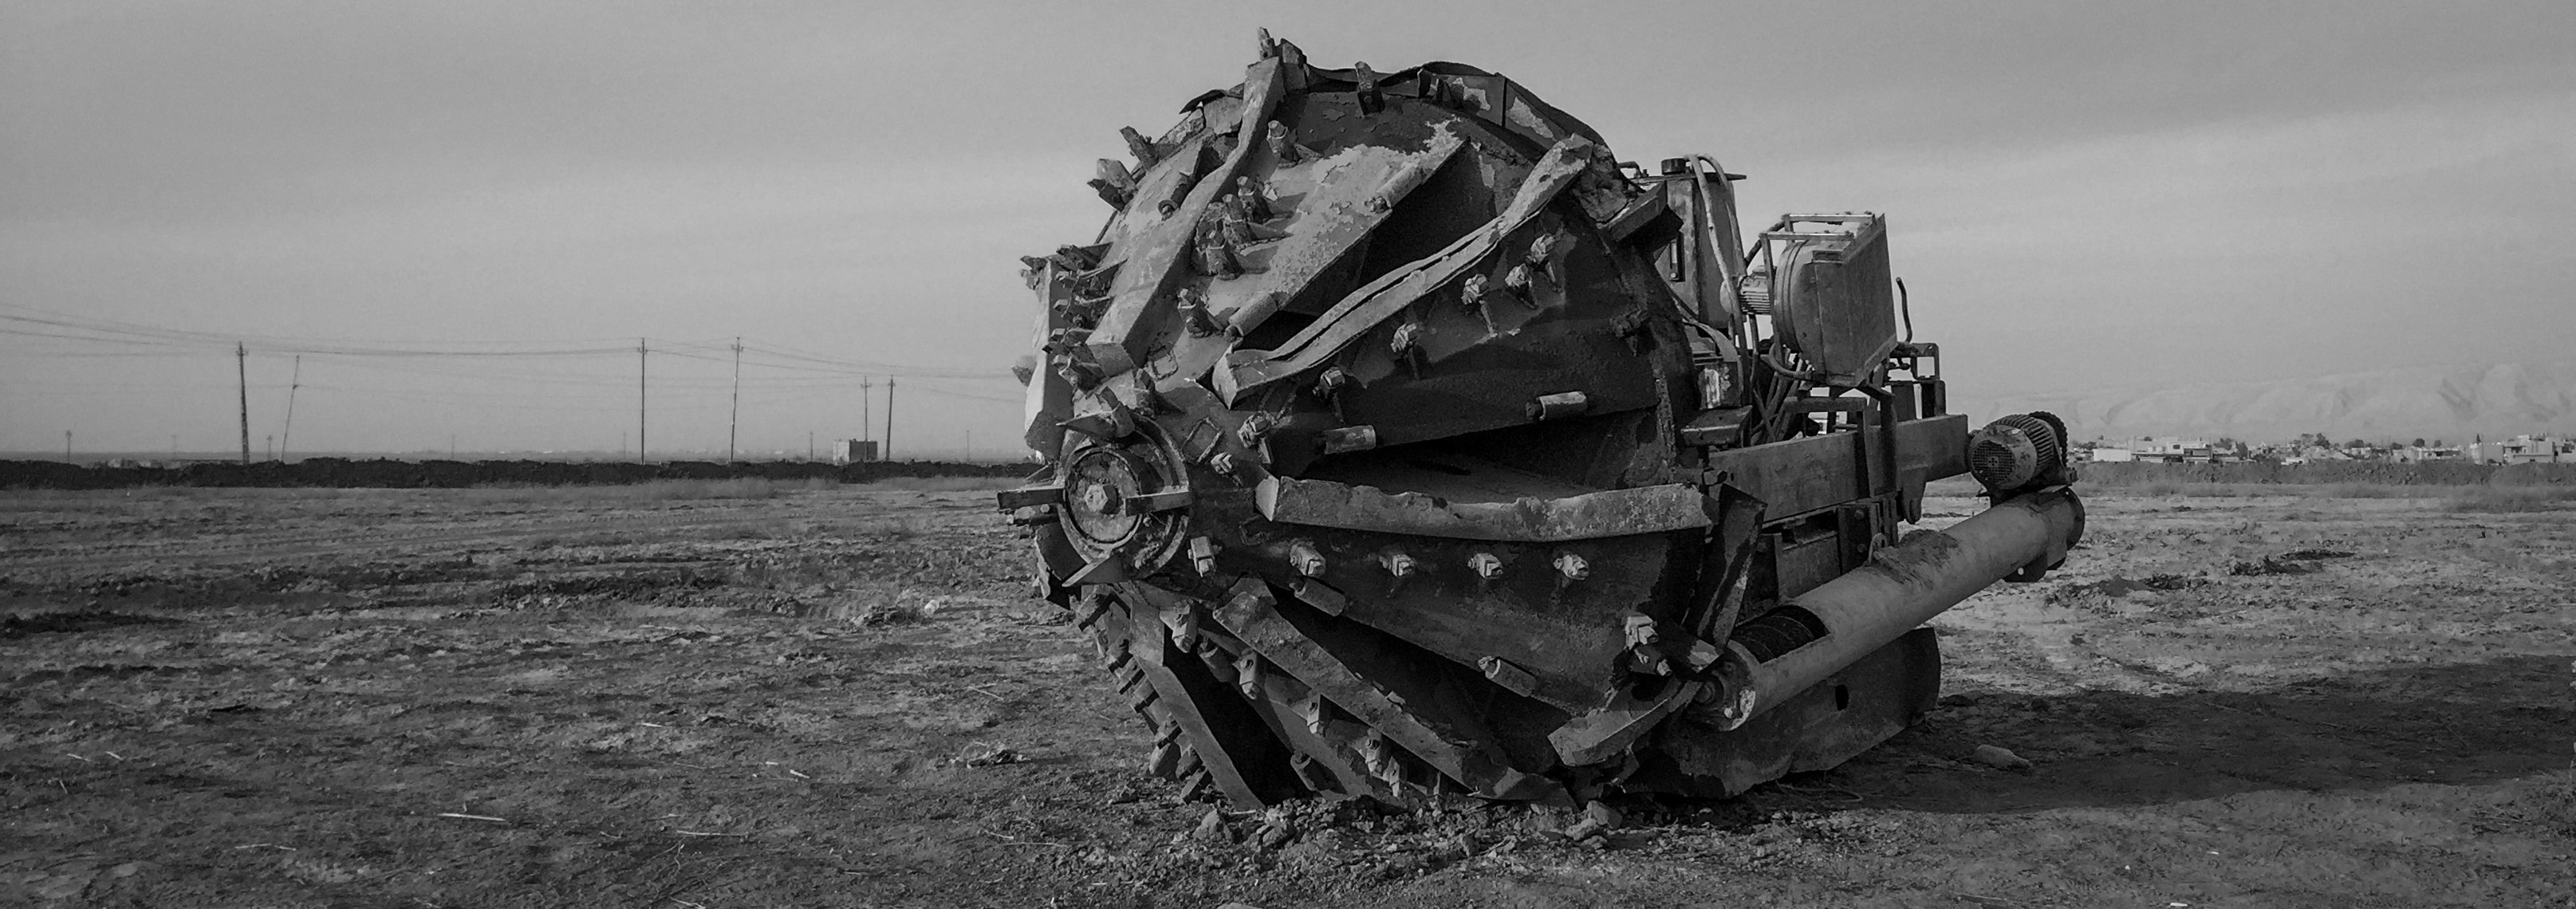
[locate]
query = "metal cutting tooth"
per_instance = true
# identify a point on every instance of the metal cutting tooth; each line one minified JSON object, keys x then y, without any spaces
{"x":1312,"y":710}
{"x":1196,"y":786}
{"x":1247,"y":675}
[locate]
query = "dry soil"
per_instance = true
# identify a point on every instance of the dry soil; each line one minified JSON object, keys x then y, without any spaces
{"x":844,"y":698}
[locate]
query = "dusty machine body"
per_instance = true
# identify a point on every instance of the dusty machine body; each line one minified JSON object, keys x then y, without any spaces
{"x":1401,"y":440}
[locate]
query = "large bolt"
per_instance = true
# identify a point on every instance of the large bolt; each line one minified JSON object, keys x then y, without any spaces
{"x":1099,"y":500}
{"x":1643,"y":657}
{"x":1639,"y":629}
{"x":1281,"y":146}
{"x":1406,"y":344}
{"x":1232,"y":223}
{"x":1541,"y":256}
{"x":1255,"y":202}
{"x":1215,"y":252}
{"x":1256,"y":427}
{"x":1303,"y":556}
{"x":1371,"y":98}
{"x":1569,"y":569}
{"x":1572,"y":566}
{"x":1400,"y":567}
{"x":1407,"y":338}
{"x":1487,"y":566}
{"x":1194,"y":314}
{"x":1541,"y":250}
{"x":1518,"y":282}
{"x":1330,"y":382}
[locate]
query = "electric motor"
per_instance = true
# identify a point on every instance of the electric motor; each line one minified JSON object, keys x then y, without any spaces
{"x":2019,"y":452}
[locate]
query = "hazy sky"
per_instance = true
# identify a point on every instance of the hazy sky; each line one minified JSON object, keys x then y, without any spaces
{"x":2080,"y":195}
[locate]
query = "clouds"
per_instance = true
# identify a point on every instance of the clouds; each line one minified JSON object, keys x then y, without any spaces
{"x":2096,"y":192}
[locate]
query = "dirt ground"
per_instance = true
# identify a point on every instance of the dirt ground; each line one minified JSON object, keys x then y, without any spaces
{"x":842,"y":697}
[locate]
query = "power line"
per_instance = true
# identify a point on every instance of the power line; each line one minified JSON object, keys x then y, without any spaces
{"x":241,"y":360}
{"x":110,"y":331}
{"x":777,"y":374}
{"x":733,"y":424}
{"x":640,"y":456}
{"x":286,"y":436}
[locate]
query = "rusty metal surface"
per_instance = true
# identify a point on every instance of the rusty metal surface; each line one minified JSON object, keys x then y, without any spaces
{"x":1390,"y":294}
{"x":1816,"y":472}
{"x":1609,"y":513}
{"x":1899,"y":588}
{"x":1400,"y":439}
{"x":1452,"y":742}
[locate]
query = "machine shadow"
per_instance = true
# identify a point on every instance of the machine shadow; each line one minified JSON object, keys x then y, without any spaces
{"x":2453,"y":724}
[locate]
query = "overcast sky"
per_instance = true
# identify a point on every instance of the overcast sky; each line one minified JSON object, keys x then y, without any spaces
{"x":2080,"y":195}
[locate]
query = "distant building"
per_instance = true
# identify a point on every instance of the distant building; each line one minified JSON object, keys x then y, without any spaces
{"x":2171,"y":451}
{"x":2417,"y":454}
{"x":853,"y":451}
{"x":2522,"y":449}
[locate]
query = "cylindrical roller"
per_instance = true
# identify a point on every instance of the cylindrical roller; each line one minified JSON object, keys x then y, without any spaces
{"x":1901,"y":587}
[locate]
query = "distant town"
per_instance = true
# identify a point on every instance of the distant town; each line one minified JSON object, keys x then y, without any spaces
{"x":2523,"y":449}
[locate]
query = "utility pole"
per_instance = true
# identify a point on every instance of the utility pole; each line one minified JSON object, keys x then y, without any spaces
{"x":287,"y":436}
{"x":809,"y":445}
{"x":866,"y":388}
{"x":640,"y":458}
{"x":889,"y":434}
{"x":241,"y":363}
{"x":733,"y":424}
{"x":67,"y":446}
{"x":272,"y":447}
